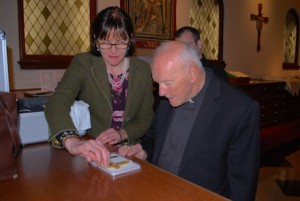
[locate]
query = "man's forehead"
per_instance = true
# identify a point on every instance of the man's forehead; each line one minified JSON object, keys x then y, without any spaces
{"x":165,"y":69}
{"x":164,"y":62}
{"x":188,"y":40}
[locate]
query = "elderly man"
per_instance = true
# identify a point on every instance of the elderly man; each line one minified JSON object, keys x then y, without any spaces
{"x":205,"y":130}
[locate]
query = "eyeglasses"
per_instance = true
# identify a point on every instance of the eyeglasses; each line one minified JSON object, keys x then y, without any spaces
{"x":109,"y":45}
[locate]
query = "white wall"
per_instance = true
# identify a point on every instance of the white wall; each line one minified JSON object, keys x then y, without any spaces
{"x":240,"y":37}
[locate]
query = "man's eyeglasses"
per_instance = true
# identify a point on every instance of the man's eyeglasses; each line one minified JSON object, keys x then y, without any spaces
{"x":109,"y":45}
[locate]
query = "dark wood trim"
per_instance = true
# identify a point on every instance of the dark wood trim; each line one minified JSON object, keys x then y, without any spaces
{"x":221,"y":25}
{"x":45,"y":62}
{"x":290,"y":66}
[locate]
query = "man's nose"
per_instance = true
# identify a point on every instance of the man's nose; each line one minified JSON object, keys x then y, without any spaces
{"x":161,"y":91}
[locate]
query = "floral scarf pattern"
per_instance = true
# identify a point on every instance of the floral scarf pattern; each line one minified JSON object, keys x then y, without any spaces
{"x":119,"y":97}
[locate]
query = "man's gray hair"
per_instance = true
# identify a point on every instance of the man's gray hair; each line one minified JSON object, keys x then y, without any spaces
{"x":187,"y":55}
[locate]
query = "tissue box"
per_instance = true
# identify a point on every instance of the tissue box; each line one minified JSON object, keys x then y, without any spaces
{"x":33,"y":127}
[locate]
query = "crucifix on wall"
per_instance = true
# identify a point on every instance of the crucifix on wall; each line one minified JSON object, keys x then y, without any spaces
{"x":260,"y":20}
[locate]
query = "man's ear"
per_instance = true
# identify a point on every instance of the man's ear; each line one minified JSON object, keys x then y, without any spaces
{"x":199,"y":44}
{"x":193,"y":72}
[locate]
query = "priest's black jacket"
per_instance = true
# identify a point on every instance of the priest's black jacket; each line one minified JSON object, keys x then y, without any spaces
{"x":222,"y":152}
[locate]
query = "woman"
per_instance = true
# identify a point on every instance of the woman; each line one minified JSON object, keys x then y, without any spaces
{"x":116,"y":86}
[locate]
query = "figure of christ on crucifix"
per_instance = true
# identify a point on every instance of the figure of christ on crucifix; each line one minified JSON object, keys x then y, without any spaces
{"x":260,"y":20}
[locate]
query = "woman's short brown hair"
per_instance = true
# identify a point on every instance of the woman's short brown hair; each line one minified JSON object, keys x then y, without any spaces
{"x":112,"y":20}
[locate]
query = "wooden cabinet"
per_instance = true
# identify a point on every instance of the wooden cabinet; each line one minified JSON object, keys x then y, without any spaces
{"x":277,"y":104}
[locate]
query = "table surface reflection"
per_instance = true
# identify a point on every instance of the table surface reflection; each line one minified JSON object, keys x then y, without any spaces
{"x":48,"y":174}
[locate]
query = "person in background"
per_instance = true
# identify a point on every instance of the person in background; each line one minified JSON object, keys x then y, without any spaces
{"x":191,"y":36}
{"x":205,"y":130}
{"x":116,"y":85}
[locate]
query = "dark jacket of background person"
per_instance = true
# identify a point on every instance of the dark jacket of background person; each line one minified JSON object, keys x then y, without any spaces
{"x":219,"y":71}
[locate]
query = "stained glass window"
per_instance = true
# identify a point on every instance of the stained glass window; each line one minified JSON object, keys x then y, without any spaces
{"x":291,"y":41}
{"x":54,"y":28}
{"x":289,"y":44}
{"x":205,"y":15}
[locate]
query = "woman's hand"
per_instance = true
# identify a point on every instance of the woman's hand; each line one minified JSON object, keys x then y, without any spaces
{"x":133,"y":150}
{"x":91,"y":150}
{"x":110,"y":136}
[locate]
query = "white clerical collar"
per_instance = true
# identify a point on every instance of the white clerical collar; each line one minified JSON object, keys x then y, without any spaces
{"x":190,"y":101}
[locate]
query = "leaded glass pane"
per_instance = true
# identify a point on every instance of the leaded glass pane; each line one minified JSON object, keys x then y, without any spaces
{"x":289,"y":38}
{"x":57,"y":27}
{"x":205,"y":16}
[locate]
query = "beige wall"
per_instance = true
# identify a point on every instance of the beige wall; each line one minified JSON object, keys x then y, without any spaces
{"x":240,"y":38}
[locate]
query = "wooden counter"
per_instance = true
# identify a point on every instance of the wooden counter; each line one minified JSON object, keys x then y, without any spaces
{"x":50,"y":175}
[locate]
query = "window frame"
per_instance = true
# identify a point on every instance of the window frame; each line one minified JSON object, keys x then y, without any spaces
{"x":43,"y":61}
{"x":219,"y":61}
{"x":294,"y":65}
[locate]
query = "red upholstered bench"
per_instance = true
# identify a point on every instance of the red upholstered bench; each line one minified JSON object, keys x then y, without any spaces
{"x":278,"y":135}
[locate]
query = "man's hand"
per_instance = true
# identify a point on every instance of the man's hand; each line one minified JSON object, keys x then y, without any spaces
{"x":133,"y":150}
{"x":109,"y":136}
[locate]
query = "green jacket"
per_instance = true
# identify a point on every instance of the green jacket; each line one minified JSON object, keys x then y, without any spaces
{"x":86,"y":79}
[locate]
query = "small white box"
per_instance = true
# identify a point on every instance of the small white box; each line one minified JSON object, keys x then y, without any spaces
{"x":33,"y":127}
